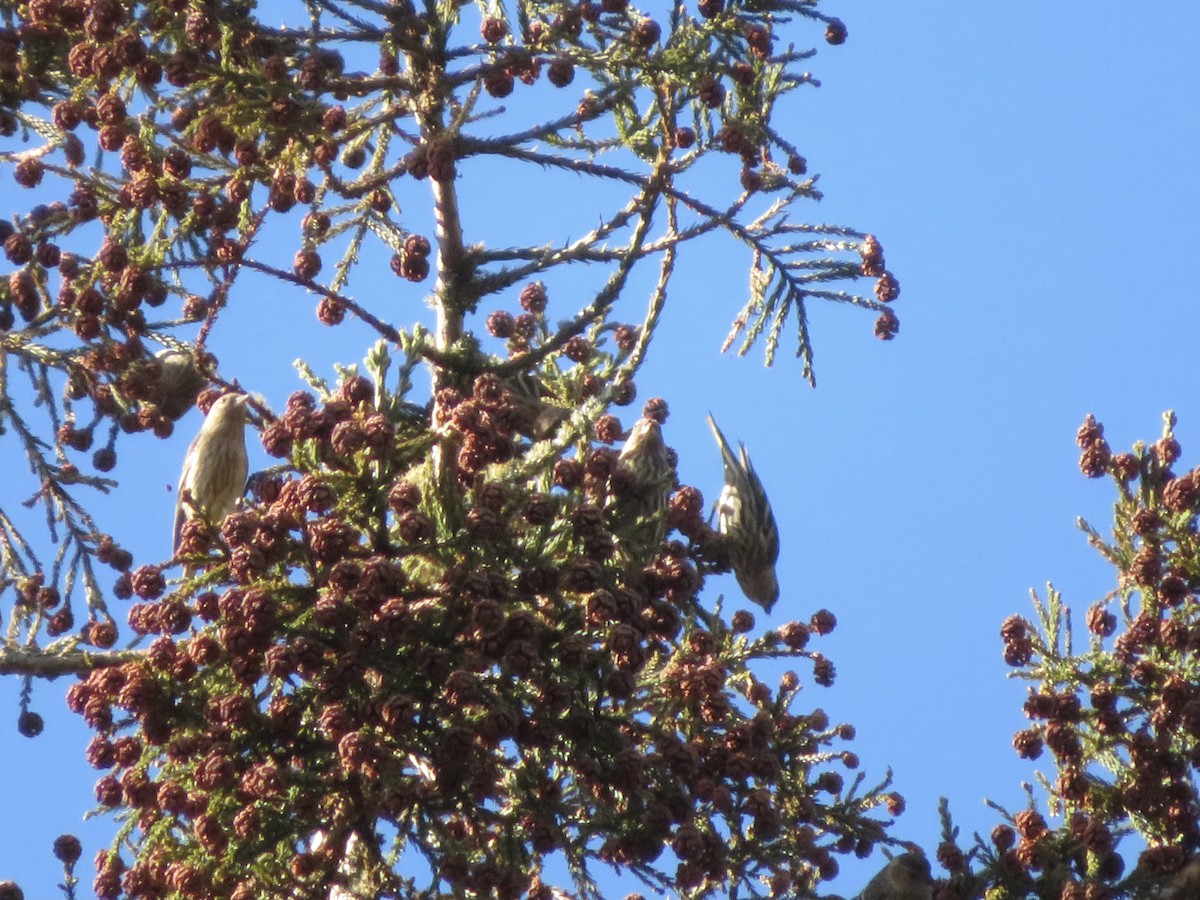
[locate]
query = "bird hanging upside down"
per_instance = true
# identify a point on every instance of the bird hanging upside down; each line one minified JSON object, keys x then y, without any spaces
{"x":744,"y":516}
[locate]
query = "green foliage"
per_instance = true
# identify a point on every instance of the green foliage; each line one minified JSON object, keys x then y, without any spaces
{"x":483,"y":676}
{"x":1121,"y":718}
{"x":448,"y":636}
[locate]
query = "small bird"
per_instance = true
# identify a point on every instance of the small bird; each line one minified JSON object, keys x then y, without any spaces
{"x":179,"y":382}
{"x":647,"y":455}
{"x":905,"y":877}
{"x":744,"y":516}
{"x":537,"y":420}
{"x":215,"y":467}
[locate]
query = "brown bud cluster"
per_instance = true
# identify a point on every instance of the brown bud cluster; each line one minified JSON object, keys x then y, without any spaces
{"x":1018,"y":646}
{"x":1124,"y":753}
{"x":481,"y":654}
{"x":412,"y":262}
{"x":1096,"y":454}
{"x":391,"y":606}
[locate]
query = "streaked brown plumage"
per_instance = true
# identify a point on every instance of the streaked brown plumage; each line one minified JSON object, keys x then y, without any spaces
{"x":537,"y":420}
{"x":179,"y":382}
{"x":215,"y":467}
{"x":646,"y":454}
{"x":744,"y":516}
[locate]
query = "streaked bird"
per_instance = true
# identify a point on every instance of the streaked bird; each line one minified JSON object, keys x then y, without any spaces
{"x":179,"y":381}
{"x":538,"y":419}
{"x":744,"y":516}
{"x":214,"y":469}
{"x":905,"y":877}
{"x":647,"y":457}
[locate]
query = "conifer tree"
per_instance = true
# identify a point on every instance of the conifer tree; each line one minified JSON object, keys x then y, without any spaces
{"x":458,"y":630}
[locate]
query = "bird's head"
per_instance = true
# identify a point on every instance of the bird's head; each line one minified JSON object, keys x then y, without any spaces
{"x":229,"y":408}
{"x":760,"y":585}
{"x":912,"y":868}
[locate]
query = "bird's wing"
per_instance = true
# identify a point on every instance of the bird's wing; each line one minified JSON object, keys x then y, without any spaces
{"x":185,"y":481}
{"x":744,"y":455}
{"x":726,"y":453}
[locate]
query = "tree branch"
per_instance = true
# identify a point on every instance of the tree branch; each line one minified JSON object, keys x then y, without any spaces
{"x":23,"y":661}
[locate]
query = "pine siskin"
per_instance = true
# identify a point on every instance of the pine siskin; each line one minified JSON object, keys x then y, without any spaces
{"x":214,"y":470}
{"x":178,"y":380}
{"x":538,"y":420}
{"x":744,"y":516}
{"x":907,"y":877}
{"x":647,"y":455}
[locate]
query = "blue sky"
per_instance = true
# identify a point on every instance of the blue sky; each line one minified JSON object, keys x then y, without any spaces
{"x":1032,"y":173}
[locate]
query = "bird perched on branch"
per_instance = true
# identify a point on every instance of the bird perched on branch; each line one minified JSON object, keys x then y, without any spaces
{"x":538,"y":418}
{"x":215,"y":467}
{"x":744,"y":516}
{"x":179,"y":381}
{"x":647,"y":456}
{"x":906,"y":877}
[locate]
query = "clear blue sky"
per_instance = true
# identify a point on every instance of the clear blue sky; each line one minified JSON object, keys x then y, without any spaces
{"x":1032,"y":172}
